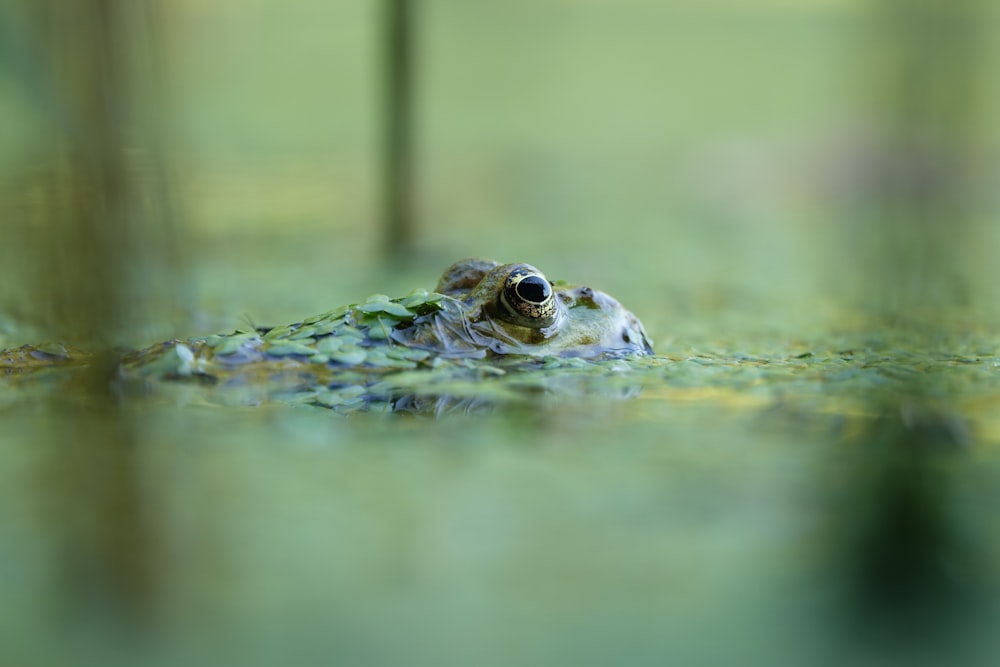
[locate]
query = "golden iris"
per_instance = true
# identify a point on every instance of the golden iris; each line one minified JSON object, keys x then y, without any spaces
{"x":527,"y":299}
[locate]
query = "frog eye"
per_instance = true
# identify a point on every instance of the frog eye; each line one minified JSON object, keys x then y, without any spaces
{"x":527,"y":299}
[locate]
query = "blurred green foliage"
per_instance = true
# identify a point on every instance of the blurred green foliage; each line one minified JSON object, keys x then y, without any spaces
{"x":690,"y":158}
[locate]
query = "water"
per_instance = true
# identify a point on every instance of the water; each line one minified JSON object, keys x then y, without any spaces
{"x":689,"y":523}
{"x":247,"y":536}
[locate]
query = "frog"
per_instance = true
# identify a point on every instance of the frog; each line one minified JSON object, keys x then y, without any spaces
{"x":483,"y":317}
{"x":496,"y":310}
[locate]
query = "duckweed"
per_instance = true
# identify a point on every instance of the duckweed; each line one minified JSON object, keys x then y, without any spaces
{"x":422,"y":301}
{"x":379,"y":328}
{"x":347,"y":396}
{"x":349,"y":357}
{"x":331,"y":344}
{"x":328,"y":316}
{"x":289,"y":348}
{"x":304,"y":332}
{"x":231,"y":344}
{"x":348,"y":369}
{"x":379,"y":359}
{"x":279,"y":332}
{"x":54,"y":350}
{"x":390,"y":308}
{"x":407,"y":353}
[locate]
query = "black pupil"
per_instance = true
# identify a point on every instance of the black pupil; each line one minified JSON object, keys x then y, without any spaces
{"x":533,"y":289}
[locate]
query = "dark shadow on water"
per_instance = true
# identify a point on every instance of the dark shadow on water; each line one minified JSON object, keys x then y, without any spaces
{"x":107,"y":572}
{"x":913,"y":584}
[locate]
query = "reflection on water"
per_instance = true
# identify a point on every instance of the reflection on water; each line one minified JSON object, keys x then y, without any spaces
{"x":916,"y":586}
{"x":98,"y":515}
{"x":566,"y":532}
{"x":297,"y":534}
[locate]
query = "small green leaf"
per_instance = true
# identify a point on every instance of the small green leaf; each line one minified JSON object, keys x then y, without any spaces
{"x":334,"y":314}
{"x":337,"y":397}
{"x":278,"y":332}
{"x":327,"y":326}
{"x":290,"y":348}
{"x":57,"y":350}
{"x":330,"y":344}
{"x":380,"y":359}
{"x":407,"y":353}
{"x":305,"y":331}
{"x":379,"y":329}
{"x":230,"y":346}
{"x":349,"y":357}
{"x":388,"y":307}
{"x":350,"y":333}
{"x":422,"y":301}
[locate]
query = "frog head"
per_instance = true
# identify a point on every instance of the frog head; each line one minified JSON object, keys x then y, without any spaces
{"x":515,"y":309}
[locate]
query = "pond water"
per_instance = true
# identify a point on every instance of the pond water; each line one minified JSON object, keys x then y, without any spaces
{"x":759,"y":509}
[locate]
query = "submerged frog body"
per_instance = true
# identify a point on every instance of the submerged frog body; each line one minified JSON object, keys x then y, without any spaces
{"x":504,"y":314}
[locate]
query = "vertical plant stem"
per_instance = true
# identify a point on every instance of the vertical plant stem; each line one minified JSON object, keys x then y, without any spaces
{"x":398,"y":216}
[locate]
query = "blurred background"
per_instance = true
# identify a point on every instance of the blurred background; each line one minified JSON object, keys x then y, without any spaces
{"x":689,"y":158}
{"x":748,"y":177}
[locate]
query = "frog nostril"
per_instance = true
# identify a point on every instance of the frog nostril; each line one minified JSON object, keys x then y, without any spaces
{"x":534,"y":289}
